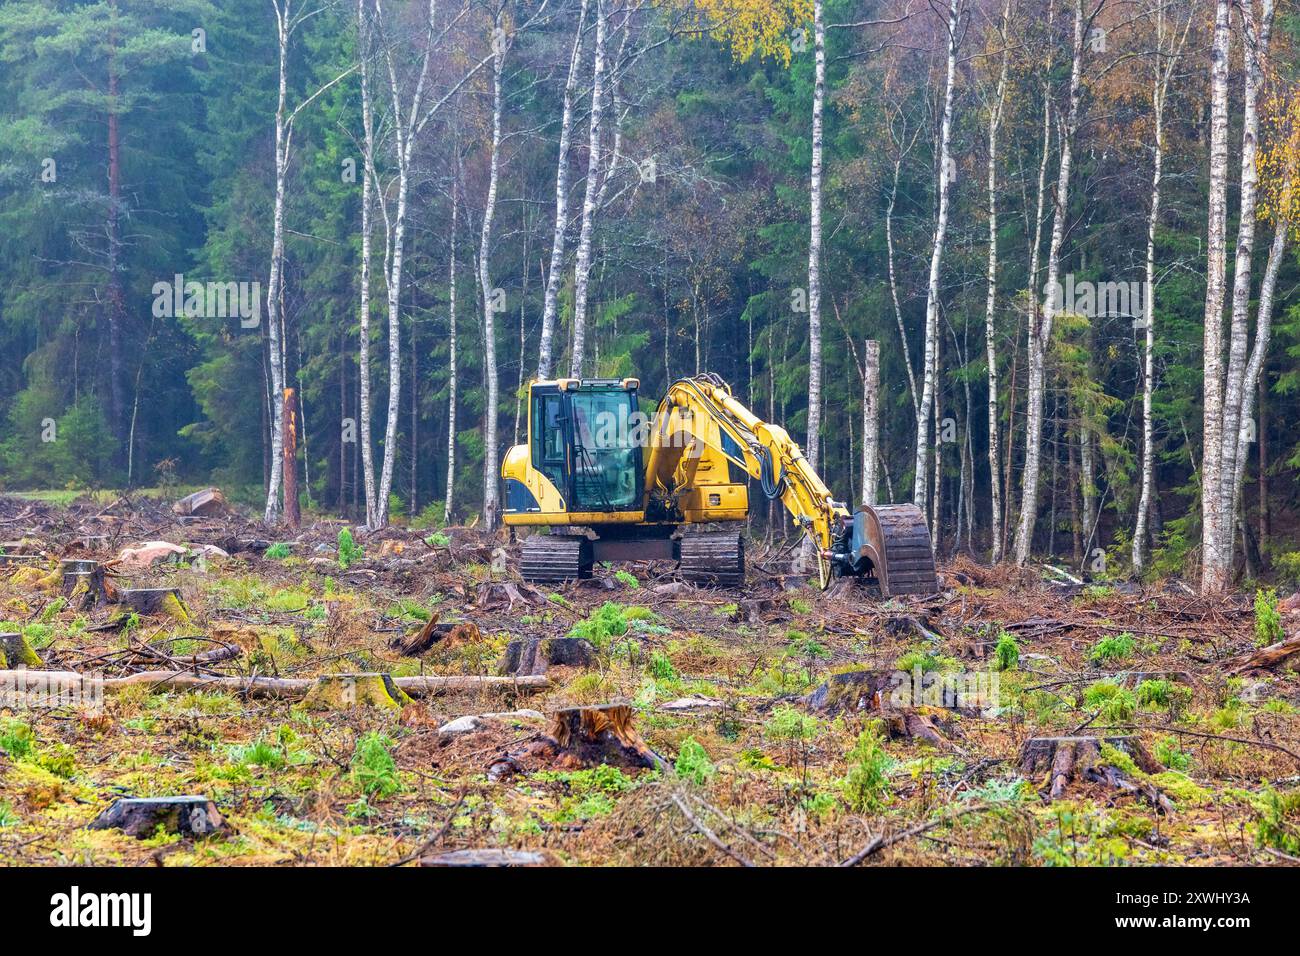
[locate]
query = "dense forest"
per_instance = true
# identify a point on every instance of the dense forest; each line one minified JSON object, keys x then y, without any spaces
{"x":1066,"y":222}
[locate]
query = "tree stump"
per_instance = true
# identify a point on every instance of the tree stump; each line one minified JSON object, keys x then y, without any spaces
{"x":85,"y":583}
{"x":486,"y":857}
{"x":582,"y":737}
{"x":155,"y":601}
{"x":1075,"y":758}
{"x":21,"y":560}
{"x":16,"y":653}
{"x":532,"y":655}
{"x":496,"y":595}
{"x":852,"y":691}
{"x":141,"y":817}
{"x":344,"y":691}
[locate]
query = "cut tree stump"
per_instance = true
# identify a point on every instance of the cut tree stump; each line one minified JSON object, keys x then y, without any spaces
{"x":532,"y":655}
{"x":486,"y":857}
{"x":496,"y":595}
{"x":85,"y":583}
{"x":582,"y":737}
{"x":141,"y":817}
{"x":155,"y":601}
{"x":1075,"y":758}
{"x":852,"y":691}
{"x":15,"y":652}
{"x":449,"y":634}
{"x":21,"y":560}
{"x":343,"y":691}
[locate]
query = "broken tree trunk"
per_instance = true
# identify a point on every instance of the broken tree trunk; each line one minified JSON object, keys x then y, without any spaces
{"x":581,"y":737}
{"x":343,"y":691}
{"x":205,"y":503}
{"x":292,"y":512}
{"x":449,"y":634}
{"x":1268,"y":658}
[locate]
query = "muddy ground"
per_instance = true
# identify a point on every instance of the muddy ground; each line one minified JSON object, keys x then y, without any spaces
{"x":1192,"y":756}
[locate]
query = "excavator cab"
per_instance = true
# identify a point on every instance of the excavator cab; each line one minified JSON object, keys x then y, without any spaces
{"x":582,"y":456}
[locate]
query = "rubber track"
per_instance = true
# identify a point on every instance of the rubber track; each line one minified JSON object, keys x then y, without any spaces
{"x":713,"y":558}
{"x":555,"y":558}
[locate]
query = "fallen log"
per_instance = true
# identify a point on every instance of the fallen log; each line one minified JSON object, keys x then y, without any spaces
{"x":284,"y":687}
{"x":486,"y":857}
{"x":1268,"y":658}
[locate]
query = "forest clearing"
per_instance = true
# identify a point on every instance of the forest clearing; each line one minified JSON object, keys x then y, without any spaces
{"x":566,"y":434}
{"x":764,"y":725}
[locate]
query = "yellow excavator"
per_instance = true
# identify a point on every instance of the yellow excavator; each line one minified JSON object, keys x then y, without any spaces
{"x":612,"y":484}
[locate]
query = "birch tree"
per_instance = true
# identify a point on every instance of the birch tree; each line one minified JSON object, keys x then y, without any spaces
{"x":1215,"y":550}
{"x":286,"y":24}
{"x":550,"y":297}
{"x":929,"y":370}
{"x":812,"y":447}
{"x":1040,"y":327}
{"x":1256,"y":30}
{"x":996,"y":105}
{"x":452,"y":384}
{"x":500,"y":43}
{"x":1164,"y":60}
{"x":582,"y":258}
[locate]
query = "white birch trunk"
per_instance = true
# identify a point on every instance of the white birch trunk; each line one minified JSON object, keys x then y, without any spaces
{"x":582,"y":261}
{"x":1040,"y":337}
{"x":367,"y":201}
{"x":491,"y":482}
{"x":1164,"y":66}
{"x":929,"y":370}
{"x":1216,"y":541}
{"x":870,"y":422}
{"x":452,"y":384}
{"x":550,"y":298}
{"x":1263,"y":334}
{"x":275,"y":347}
{"x":812,"y":445}
{"x":1256,"y":38}
{"x":990,"y":302}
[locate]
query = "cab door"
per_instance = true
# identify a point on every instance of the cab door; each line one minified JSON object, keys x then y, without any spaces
{"x":549,"y":431}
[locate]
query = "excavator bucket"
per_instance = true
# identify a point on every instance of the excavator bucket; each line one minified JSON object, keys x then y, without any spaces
{"x":896,"y":540}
